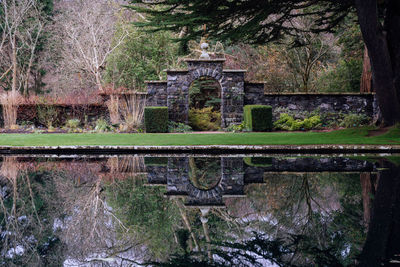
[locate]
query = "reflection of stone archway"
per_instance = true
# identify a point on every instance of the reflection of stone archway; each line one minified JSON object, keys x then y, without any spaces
{"x":230,"y":184}
{"x":176,"y":90}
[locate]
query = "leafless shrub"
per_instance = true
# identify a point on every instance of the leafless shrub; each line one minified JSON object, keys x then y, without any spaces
{"x":131,"y":109}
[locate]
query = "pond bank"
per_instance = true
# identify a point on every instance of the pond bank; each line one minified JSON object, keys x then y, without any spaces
{"x":199,"y":149}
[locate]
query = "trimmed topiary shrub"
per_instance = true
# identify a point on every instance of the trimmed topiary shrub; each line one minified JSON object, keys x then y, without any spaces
{"x":156,"y":119}
{"x":258,"y":118}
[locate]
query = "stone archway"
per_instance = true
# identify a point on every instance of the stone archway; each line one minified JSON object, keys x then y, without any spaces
{"x":174,"y":93}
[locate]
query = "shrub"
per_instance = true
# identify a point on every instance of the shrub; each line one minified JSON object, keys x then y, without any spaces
{"x":178,"y":127}
{"x":258,"y":118}
{"x":235,"y":128}
{"x":72,"y":124}
{"x":156,"y":119}
{"x":47,"y":114}
{"x":204,"y":119}
{"x":354,"y":120}
{"x":102,"y":126}
{"x":287,"y":122}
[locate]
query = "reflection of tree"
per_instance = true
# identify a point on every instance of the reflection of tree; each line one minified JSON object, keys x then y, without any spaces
{"x":383,"y":238}
{"x":27,"y":202}
{"x":325,"y":208}
{"x":148,"y":216}
{"x":89,"y":226}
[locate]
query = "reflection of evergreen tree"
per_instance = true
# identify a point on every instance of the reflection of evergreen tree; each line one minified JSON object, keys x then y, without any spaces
{"x":145,"y":210}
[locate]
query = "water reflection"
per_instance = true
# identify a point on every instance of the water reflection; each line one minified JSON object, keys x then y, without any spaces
{"x":216,"y":211}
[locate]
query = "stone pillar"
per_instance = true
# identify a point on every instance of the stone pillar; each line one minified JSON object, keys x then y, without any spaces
{"x":232,"y":97}
{"x":178,"y":96}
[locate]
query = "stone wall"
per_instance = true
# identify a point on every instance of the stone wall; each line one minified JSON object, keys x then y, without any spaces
{"x":360,"y":103}
{"x":156,"y":93}
{"x":235,"y":93}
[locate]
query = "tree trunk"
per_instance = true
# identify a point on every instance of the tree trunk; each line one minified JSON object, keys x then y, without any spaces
{"x":14,"y":64}
{"x":383,"y":237}
{"x":383,"y":74}
{"x":98,"y":81}
{"x":366,"y":77}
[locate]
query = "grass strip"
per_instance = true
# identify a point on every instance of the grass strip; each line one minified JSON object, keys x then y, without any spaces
{"x":355,"y":136}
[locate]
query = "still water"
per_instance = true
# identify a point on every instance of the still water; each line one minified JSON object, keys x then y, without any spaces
{"x":200,"y":210}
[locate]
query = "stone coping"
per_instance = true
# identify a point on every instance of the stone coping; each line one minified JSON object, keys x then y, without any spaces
{"x":204,"y":60}
{"x":253,"y":82}
{"x":316,"y":93}
{"x":202,"y":149}
{"x":124,"y":93}
{"x":232,"y":70}
{"x":60,"y":156}
{"x":176,"y":71}
{"x":185,"y":71}
{"x":155,"y":81}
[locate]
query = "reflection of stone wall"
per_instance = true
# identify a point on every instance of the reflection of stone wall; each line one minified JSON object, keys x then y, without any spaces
{"x":326,"y":102}
{"x":255,"y":174}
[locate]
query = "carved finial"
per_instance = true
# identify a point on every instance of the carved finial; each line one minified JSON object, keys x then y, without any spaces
{"x":204,"y":44}
{"x":204,"y":54}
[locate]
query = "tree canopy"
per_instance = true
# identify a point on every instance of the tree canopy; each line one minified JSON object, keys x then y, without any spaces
{"x":252,"y":21}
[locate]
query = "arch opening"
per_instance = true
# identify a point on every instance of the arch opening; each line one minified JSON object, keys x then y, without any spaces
{"x":205,"y":104}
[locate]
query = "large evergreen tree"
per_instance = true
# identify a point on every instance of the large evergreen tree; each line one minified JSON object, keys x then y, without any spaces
{"x":261,"y":21}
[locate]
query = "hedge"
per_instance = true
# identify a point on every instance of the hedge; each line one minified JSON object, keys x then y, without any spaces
{"x":156,"y":119}
{"x":258,"y":118}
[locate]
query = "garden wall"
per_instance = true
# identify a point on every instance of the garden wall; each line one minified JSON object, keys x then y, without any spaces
{"x":30,"y":113}
{"x":359,"y":103}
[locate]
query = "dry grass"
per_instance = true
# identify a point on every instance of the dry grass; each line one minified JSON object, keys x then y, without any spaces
{"x":10,"y":102}
{"x":10,"y":168}
{"x":123,"y":167}
{"x":131,"y":109}
{"x":113,"y":109}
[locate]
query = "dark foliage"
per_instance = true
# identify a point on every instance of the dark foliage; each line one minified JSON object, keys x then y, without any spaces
{"x":156,"y":119}
{"x":253,"y":21}
{"x":258,"y":118}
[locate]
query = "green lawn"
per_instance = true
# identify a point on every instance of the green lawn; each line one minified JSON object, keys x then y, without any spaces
{"x":348,"y":136}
